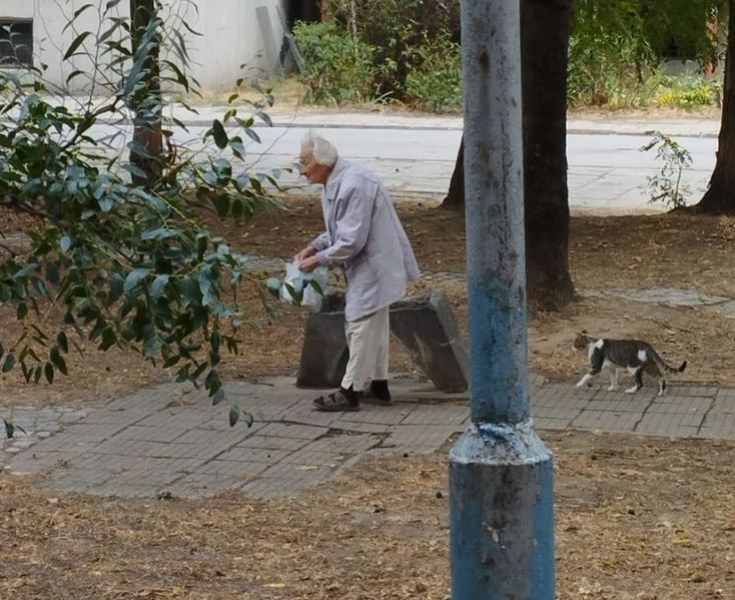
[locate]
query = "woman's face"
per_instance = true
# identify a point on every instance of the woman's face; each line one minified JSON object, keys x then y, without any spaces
{"x":312,"y":170}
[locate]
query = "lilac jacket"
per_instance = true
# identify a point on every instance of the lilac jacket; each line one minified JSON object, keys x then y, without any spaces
{"x":364,"y":235}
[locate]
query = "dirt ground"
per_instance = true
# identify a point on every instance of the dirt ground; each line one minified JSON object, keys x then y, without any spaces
{"x":637,"y":518}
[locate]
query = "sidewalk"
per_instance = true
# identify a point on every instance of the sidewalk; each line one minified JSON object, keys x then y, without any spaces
{"x":168,"y":441}
{"x":309,"y":117}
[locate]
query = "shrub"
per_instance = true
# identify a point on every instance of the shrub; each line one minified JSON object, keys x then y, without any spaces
{"x":435,"y":81}
{"x":338,"y":68}
{"x":396,"y":28}
{"x":688,"y":93}
{"x":666,"y":185}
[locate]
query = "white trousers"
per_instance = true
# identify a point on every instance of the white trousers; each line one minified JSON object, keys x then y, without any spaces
{"x":367,"y":340}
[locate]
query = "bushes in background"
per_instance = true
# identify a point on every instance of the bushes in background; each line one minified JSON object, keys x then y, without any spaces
{"x":407,"y":51}
{"x":339,"y":68}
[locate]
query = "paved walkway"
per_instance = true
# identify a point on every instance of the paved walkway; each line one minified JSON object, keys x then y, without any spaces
{"x":166,"y":441}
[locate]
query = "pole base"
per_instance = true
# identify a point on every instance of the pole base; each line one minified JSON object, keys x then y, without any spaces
{"x":501,"y":514}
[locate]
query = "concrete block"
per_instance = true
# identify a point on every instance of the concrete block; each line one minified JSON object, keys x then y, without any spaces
{"x":324,"y":354}
{"x":424,"y":325}
{"x":427,"y":328}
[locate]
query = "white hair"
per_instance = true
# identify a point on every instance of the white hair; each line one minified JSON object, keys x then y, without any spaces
{"x":323,"y":151}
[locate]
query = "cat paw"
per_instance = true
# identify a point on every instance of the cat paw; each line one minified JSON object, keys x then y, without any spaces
{"x":612,"y":388}
{"x":632,"y":390}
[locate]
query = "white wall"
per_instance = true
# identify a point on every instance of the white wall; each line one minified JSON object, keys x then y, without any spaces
{"x":17,"y":9}
{"x":232,"y":37}
{"x":230,"y":31}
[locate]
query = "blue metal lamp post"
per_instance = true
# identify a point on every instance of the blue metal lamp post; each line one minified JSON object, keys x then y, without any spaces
{"x":501,"y":473}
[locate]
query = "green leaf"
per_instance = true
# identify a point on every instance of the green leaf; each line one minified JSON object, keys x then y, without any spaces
{"x":9,"y":429}
{"x":265,"y":118}
{"x":135,"y":170}
{"x":234,"y":414}
{"x":52,"y":272}
{"x":158,"y":287}
{"x":171,"y":361}
{"x":65,"y":243}
{"x":77,"y":12}
{"x":75,"y":44}
{"x":218,"y":396}
{"x":105,"y":203}
{"x":9,"y":363}
{"x":109,"y":339}
{"x":219,"y":134}
{"x":22,"y":310}
{"x":222,"y":204}
{"x":134,"y":279}
{"x":48,"y":371}
{"x":58,"y":360}
{"x":74,"y":74}
{"x":117,"y":284}
{"x":252,"y":135}
{"x":316,"y":285}
{"x":180,"y":77}
{"x":62,"y":342}
{"x":273,"y":284}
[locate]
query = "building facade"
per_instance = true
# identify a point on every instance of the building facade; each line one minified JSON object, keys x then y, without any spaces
{"x":238,"y":38}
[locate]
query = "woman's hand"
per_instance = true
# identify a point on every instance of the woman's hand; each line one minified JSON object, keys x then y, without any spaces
{"x":309,"y":264}
{"x":304,"y":254}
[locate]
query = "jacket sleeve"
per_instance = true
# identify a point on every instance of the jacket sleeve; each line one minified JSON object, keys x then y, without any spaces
{"x":321,"y":241}
{"x":353,"y":215}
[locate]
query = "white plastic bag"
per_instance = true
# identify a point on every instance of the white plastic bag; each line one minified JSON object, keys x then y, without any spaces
{"x":298,"y":287}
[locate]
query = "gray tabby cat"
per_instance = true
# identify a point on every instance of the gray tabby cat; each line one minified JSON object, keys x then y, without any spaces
{"x":633,"y":355}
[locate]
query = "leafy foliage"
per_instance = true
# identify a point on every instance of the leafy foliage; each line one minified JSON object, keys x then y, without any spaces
{"x":688,"y":92}
{"x":609,"y":53}
{"x":617,"y":47}
{"x":616,"y":52}
{"x":395,"y":28}
{"x":124,"y":256}
{"x":339,"y":68}
{"x":666,"y":185}
{"x":434,"y":81}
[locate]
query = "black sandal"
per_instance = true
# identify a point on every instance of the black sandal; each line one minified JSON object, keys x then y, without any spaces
{"x":378,"y":393}
{"x":336,"y":402}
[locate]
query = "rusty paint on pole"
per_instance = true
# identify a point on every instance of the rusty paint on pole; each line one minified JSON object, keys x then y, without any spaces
{"x":501,"y":473}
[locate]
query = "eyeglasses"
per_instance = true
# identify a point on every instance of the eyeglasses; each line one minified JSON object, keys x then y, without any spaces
{"x":305,"y":160}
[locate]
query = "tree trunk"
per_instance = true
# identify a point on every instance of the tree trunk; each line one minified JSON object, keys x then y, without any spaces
{"x":455,"y":195}
{"x":545,"y":28}
{"x":146,"y":151}
{"x":720,"y":196}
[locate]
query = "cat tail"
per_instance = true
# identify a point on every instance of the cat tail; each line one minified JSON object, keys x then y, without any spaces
{"x":670,"y":368}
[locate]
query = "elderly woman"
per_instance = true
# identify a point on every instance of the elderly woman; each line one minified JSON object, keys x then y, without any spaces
{"x":365,"y":237}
